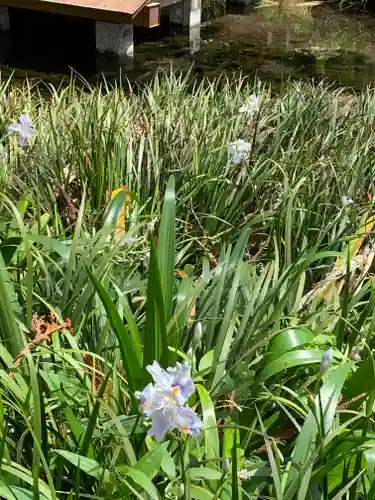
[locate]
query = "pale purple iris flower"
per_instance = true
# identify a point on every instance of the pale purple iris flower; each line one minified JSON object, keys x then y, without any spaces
{"x":164,"y":401}
{"x":24,"y":129}
{"x":239,"y":151}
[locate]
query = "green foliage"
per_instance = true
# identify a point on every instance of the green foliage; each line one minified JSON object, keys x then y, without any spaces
{"x":96,"y":284}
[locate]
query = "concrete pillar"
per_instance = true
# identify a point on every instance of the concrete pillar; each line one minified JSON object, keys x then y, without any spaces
{"x":188,"y":14}
{"x":114,"y":47}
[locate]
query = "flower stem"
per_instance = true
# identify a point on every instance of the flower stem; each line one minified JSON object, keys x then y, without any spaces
{"x":184,"y":457}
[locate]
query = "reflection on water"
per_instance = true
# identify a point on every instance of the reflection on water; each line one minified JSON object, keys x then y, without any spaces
{"x":274,"y":40}
{"x":290,"y":39}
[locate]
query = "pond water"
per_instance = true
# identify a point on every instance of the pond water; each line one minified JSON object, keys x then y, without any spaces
{"x":273,"y":40}
{"x":277,"y":40}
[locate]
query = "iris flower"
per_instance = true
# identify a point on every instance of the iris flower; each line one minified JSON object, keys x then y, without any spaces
{"x":239,"y":151}
{"x":164,"y":401}
{"x":251,"y":107}
{"x":346,"y":201}
{"x":24,"y":129}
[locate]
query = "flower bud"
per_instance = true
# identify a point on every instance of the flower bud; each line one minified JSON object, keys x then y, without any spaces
{"x":197,"y":339}
{"x":281,"y":457}
{"x":355,"y":356}
{"x":226,"y":465}
{"x":150,"y":228}
{"x":346,"y":201}
{"x":326,"y":361}
{"x":243,"y":474}
{"x":181,"y":490}
{"x":189,"y":354}
{"x":146,"y":259}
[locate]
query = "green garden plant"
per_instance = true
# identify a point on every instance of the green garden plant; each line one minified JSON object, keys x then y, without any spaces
{"x":220,"y":235}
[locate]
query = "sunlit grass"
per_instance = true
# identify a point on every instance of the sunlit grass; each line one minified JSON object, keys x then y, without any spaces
{"x":271,"y":255}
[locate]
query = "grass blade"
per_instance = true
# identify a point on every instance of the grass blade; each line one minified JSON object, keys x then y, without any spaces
{"x":166,"y":247}
{"x":129,"y":358}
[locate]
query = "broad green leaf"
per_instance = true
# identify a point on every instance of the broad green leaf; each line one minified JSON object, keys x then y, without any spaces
{"x":325,"y":404}
{"x":288,"y":340}
{"x":370,"y":462}
{"x":218,"y":288}
{"x":182,"y":311}
{"x":289,"y":360}
{"x":25,"y":475}
{"x":239,"y":249}
{"x":39,"y":422}
{"x":78,"y":431}
{"x":228,"y":442}
{"x":276,"y":473}
{"x":141,"y":479}
{"x":132,"y":326}
{"x":8,"y":247}
{"x":61,"y":248}
{"x":166,"y":247}
{"x":227,"y":329}
{"x":236,"y":490}
{"x":150,"y":463}
{"x":71,"y":386}
{"x":204,"y":473}
{"x":129,"y":358}
{"x":200,"y":493}
{"x":361,"y":381}
{"x":206,"y":361}
{"x":73,"y":250}
{"x":155,"y":336}
{"x":87,"y":465}
{"x":17,"y":493}
{"x":168,"y":465}
{"x":10,"y":311}
{"x":211,"y":436}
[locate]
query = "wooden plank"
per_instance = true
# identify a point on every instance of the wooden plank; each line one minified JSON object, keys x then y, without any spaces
{"x":149,"y":16}
{"x":116,"y":11}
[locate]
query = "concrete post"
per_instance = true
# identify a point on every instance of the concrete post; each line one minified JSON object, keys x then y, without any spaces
{"x":188,"y":14}
{"x":114,"y":47}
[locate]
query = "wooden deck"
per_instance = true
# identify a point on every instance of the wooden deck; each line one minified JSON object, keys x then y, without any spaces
{"x":114,"y":11}
{"x":114,"y":24}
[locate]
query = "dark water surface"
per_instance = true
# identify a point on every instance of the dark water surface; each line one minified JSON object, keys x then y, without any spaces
{"x":274,"y":40}
{"x":290,"y":39}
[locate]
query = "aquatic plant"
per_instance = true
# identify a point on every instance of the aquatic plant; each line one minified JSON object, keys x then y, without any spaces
{"x":239,"y":151}
{"x":23,"y":129}
{"x":258,"y":293}
{"x":165,"y":400}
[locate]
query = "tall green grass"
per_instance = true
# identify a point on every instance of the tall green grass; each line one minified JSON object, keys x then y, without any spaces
{"x":264,"y":256}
